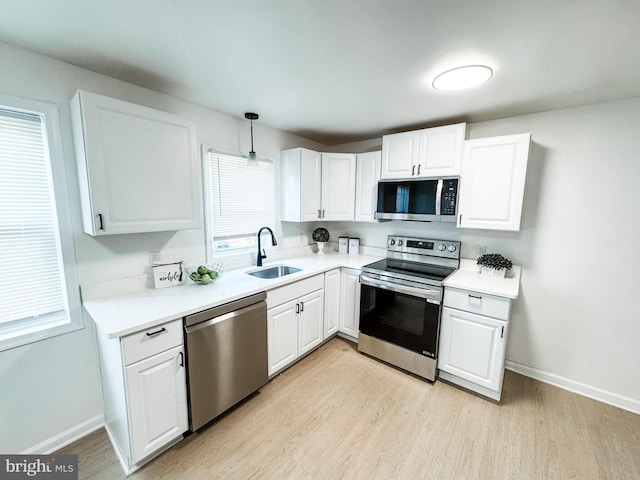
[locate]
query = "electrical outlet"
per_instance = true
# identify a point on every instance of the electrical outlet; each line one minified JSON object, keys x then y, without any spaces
{"x":481,"y":250}
{"x":154,"y":256}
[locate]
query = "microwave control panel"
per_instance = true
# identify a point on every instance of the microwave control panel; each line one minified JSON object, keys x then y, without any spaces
{"x":449,"y":196}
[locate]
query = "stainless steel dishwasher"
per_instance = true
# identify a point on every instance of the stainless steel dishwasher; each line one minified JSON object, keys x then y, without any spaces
{"x":226,"y":356}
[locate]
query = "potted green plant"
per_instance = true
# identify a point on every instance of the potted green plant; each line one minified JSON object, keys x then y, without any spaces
{"x":494,"y":265}
{"x":320,"y":235}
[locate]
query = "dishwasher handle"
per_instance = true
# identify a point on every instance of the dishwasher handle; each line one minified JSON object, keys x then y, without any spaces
{"x":226,"y":316}
{"x":205,"y":315}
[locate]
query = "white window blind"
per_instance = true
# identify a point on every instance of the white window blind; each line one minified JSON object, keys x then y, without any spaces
{"x":32,"y":283}
{"x":240,"y":201}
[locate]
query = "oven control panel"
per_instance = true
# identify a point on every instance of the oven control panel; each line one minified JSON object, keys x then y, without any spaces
{"x":424,"y":246}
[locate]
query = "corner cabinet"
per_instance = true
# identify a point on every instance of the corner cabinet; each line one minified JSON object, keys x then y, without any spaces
{"x":317,"y":186}
{"x":137,"y":167}
{"x":367,"y":176}
{"x":331,"y":302}
{"x":492,"y":182}
{"x":144,"y":391}
{"x":473,"y":340}
{"x":430,"y":152}
{"x":350,"y":302}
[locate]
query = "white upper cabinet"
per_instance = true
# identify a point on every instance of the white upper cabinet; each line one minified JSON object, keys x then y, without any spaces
{"x":399,"y":155}
{"x":367,"y":176}
{"x":432,"y":152}
{"x":300,"y":178}
{"x":492,"y":182}
{"x":338,"y":186}
{"x":137,"y":167}
{"x":317,"y":186}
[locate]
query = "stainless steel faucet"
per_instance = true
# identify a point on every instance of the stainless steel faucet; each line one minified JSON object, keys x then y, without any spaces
{"x":261,"y":253}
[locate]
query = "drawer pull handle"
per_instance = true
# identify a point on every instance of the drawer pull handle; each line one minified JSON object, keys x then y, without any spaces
{"x":302,"y":306}
{"x":157,"y":332}
{"x":297,"y":308}
{"x":475,"y":296}
{"x":181,"y":359}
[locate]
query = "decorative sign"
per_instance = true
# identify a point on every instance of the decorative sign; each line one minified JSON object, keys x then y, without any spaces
{"x":168,"y":274}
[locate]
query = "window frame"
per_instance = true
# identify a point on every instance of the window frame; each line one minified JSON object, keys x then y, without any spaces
{"x":237,"y":258}
{"x":14,"y":335}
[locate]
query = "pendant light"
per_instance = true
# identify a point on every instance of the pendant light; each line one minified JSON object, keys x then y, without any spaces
{"x":252,"y":158}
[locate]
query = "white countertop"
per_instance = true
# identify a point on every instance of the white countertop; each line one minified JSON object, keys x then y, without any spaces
{"x":124,"y":314}
{"x":467,"y":277}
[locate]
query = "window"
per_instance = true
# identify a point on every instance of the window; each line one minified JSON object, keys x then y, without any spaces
{"x":239,"y":200}
{"x":38,"y":288}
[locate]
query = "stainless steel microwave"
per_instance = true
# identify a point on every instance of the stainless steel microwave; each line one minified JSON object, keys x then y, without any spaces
{"x":424,"y":200}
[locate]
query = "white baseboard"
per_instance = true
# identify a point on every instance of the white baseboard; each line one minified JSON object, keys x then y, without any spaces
{"x":583,"y":389}
{"x":70,"y":435}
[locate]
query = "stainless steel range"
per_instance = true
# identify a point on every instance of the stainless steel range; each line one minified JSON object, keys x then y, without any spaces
{"x":401,"y":300}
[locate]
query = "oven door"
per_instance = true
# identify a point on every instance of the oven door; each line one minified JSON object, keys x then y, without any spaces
{"x":404,"y":315}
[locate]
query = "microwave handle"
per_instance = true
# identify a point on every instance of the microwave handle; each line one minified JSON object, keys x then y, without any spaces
{"x":439,"y":197}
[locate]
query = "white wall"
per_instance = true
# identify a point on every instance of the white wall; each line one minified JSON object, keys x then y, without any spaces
{"x":50,"y":389}
{"x":577,"y":321}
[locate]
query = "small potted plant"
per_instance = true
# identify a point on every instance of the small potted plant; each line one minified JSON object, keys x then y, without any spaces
{"x":320,"y":235}
{"x":494,"y":265}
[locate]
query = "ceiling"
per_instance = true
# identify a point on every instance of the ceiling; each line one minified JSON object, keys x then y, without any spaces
{"x":337,"y":71}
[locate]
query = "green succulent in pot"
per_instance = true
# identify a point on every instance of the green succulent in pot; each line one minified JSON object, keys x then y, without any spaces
{"x":320,"y":234}
{"x":494,"y":261}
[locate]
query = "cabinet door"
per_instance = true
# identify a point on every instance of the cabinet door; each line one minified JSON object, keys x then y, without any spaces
{"x":492,"y":182}
{"x":310,"y":321}
{"x":472,"y":347}
{"x":282,"y":334}
{"x":350,"y":302}
{"x":338,"y":186}
{"x":399,"y":155}
{"x":440,"y":150}
{"x":310,"y":186}
{"x":331,"y":302}
{"x":157,"y":401}
{"x":367,"y":176}
{"x":138,"y":167}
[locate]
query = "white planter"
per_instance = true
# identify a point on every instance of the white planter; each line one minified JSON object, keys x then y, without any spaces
{"x":492,"y":272}
{"x":320,"y":248}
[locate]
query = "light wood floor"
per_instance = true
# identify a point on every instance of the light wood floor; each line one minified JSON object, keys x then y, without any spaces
{"x":338,"y":414}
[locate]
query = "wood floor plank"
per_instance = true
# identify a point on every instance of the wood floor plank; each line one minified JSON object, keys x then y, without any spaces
{"x":338,"y":414}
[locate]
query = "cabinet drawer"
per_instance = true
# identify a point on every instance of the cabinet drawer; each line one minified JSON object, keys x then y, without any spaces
{"x":480,"y":303}
{"x":151,"y":341}
{"x":284,"y":294}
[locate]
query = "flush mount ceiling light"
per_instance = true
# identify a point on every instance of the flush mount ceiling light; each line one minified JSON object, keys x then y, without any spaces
{"x":252,"y":158}
{"x":462,"y":77}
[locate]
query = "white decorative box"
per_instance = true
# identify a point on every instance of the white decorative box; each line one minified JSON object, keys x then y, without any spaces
{"x":354,"y":246}
{"x":343,"y":245}
{"x":168,"y":274}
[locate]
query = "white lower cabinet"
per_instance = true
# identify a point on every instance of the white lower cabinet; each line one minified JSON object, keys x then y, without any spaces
{"x":282,"y":332}
{"x":158,"y":401}
{"x":144,"y":391}
{"x":295,"y":321}
{"x":331,"y":302}
{"x":350,"y":302}
{"x":472,"y":345}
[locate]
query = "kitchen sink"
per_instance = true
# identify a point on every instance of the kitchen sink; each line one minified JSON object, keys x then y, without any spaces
{"x":276,"y":271}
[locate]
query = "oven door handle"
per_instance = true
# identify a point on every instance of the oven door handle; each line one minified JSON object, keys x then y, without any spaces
{"x":432,"y":295}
